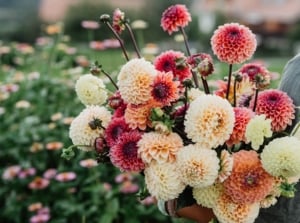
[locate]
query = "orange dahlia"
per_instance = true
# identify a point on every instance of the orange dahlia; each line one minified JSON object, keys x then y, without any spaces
{"x":174,"y":17}
{"x":164,"y":89}
{"x":248,"y":182}
{"x":233,"y":43}
{"x":242,"y":117}
{"x":277,"y":106}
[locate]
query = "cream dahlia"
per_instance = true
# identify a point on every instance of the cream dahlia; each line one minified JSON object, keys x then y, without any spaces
{"x":198,"y":167}
{"x":209,"y":121}
{"x":90,"y":90}
{"x":242,"y":117}
{"x":277,"y":106}
{"x":162,"y":181}
{"x":228,"y":211}
{"x":233,"y":43}
{"x":248,"y":182}
{"x":281,"y":157}
{"x":207,"y":196}
{"x":124,"y":153}
{"x":226,"y":165}
{"x":159,"y":147}
{"x":134,"y":81}
{"x":257,"y":129}
{"x":84,"y":129}
{"x":174,"y":17}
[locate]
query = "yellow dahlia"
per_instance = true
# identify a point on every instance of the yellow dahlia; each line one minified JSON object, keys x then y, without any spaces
{"x":135,"y":80}
{"x":90,"y":90}
{"x":226,"y":164}
{"x":227,"y":211}
{"x":209,"y":121}
{"x":207,"y":196}
{"x":83,"y":130}
{"x":257,"y":129}
{"x":281,"y":157}
{"x":162,"y":181}
{"x":159,"y":147}
{"x":197,"y":166}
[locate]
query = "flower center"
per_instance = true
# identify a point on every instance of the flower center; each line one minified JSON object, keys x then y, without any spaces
{"x":160,"y":91}
{"x":250,"y":179}
{"x":272,"y":98}
{"x":130,"y":149}
{"x":116,"y":132}
{"x":167,"y":66}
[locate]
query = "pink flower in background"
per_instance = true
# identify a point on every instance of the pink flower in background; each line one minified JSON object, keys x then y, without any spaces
{"x":24,"y":173}
{"x":107,"y":186}
{"x":148,"y":201}
{"x":35,"y":206}
{"x":89,"y":24}
{"x":11,"y":172}
{"x":124,"y":153}
{"x":39,"y":183}
{"x":50,"y":173}
{"x":164,"y":89}
{"x":126,"y":176}
{"x":233,"y":43}
{"x":118,"y":21}
{"x":65,"y":176}
{"x":242,"y":117}
{"x":97,"y":45}
{"x":54,"y":145}
{"x":88,"y":163}
{"x":277,"y":106}
{"x":202,"y":63}
{"x":173,"y":61}
{"x":128,"y":187}
{"x":40,"y":218}
{"x":174,"y":17}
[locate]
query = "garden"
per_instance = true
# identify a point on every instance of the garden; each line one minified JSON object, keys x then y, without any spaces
{"x":38,"y":103}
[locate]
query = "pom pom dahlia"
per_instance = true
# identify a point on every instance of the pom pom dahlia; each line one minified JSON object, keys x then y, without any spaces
{"x":228,"y":211}
{"x":277,"y":106}
{"x":163,"y":181}
{"x":281,"y":157}
{"x":159,"y":147}
{"x":226,"y":165}
{"x":124,"y":153}
{"x":115,"y":129}
{"x":134,"y":81}
{"x":248,"y":182}
{"x":174,"y":17}
{"x":209,"y":121}
{"x":90,"y":90}
{"x":207,"y":196}
{"x":81,"y":132}
{"x":168,"y":61}
{"x":233,"y":43}
{"x":198,"y":167}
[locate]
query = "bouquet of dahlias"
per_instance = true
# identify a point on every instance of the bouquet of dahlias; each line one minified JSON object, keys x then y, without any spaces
{"x":231,"y":148}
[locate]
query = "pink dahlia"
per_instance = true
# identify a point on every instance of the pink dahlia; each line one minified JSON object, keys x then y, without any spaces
{"x":115,"y":129}
{"x":248,"y":182}
{"x":277,"y":106}
{"x":257,"y":73}
{"x":118,"y":21}
{"x":202,"y":63}
{"x":174,"y":17}
{"x":38,"y":183}
{"x":242,"y":117}
{"x":124,"y":153}
{"x":171,"y":61}
{"x":233,"y":43}
{"x":164,"y":89}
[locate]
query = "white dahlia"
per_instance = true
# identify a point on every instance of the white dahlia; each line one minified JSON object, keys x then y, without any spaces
{"x":198,"y":167}
{"x":281,"y":157}
{"x":162,"y":181}
{"x":209,"y":121}
{"x":207,"y":196}
{"x":90,"y":90}
{"x":82,"y":132}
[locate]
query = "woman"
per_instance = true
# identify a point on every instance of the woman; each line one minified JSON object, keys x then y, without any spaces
{"x":286,"y":210}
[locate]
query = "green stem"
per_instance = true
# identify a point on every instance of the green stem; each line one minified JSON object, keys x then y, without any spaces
{"x":234,"y":92}
{"x":229,"y":80}
{"x":133,"y":40}
{"x":111,"y":80}
{"x":255,"y":99}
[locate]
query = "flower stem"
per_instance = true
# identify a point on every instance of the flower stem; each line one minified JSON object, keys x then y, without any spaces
{"x":118,"y":38}
{"x":195,"y":78}
{"x":111,"y":80}
{"x":255,"y":99}
{"x":229,"y":80}
{"x":133,"y":40}
{"x":234,"y":92}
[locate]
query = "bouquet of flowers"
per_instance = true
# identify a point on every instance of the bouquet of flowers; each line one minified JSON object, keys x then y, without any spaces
{"x":231,"y":148}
